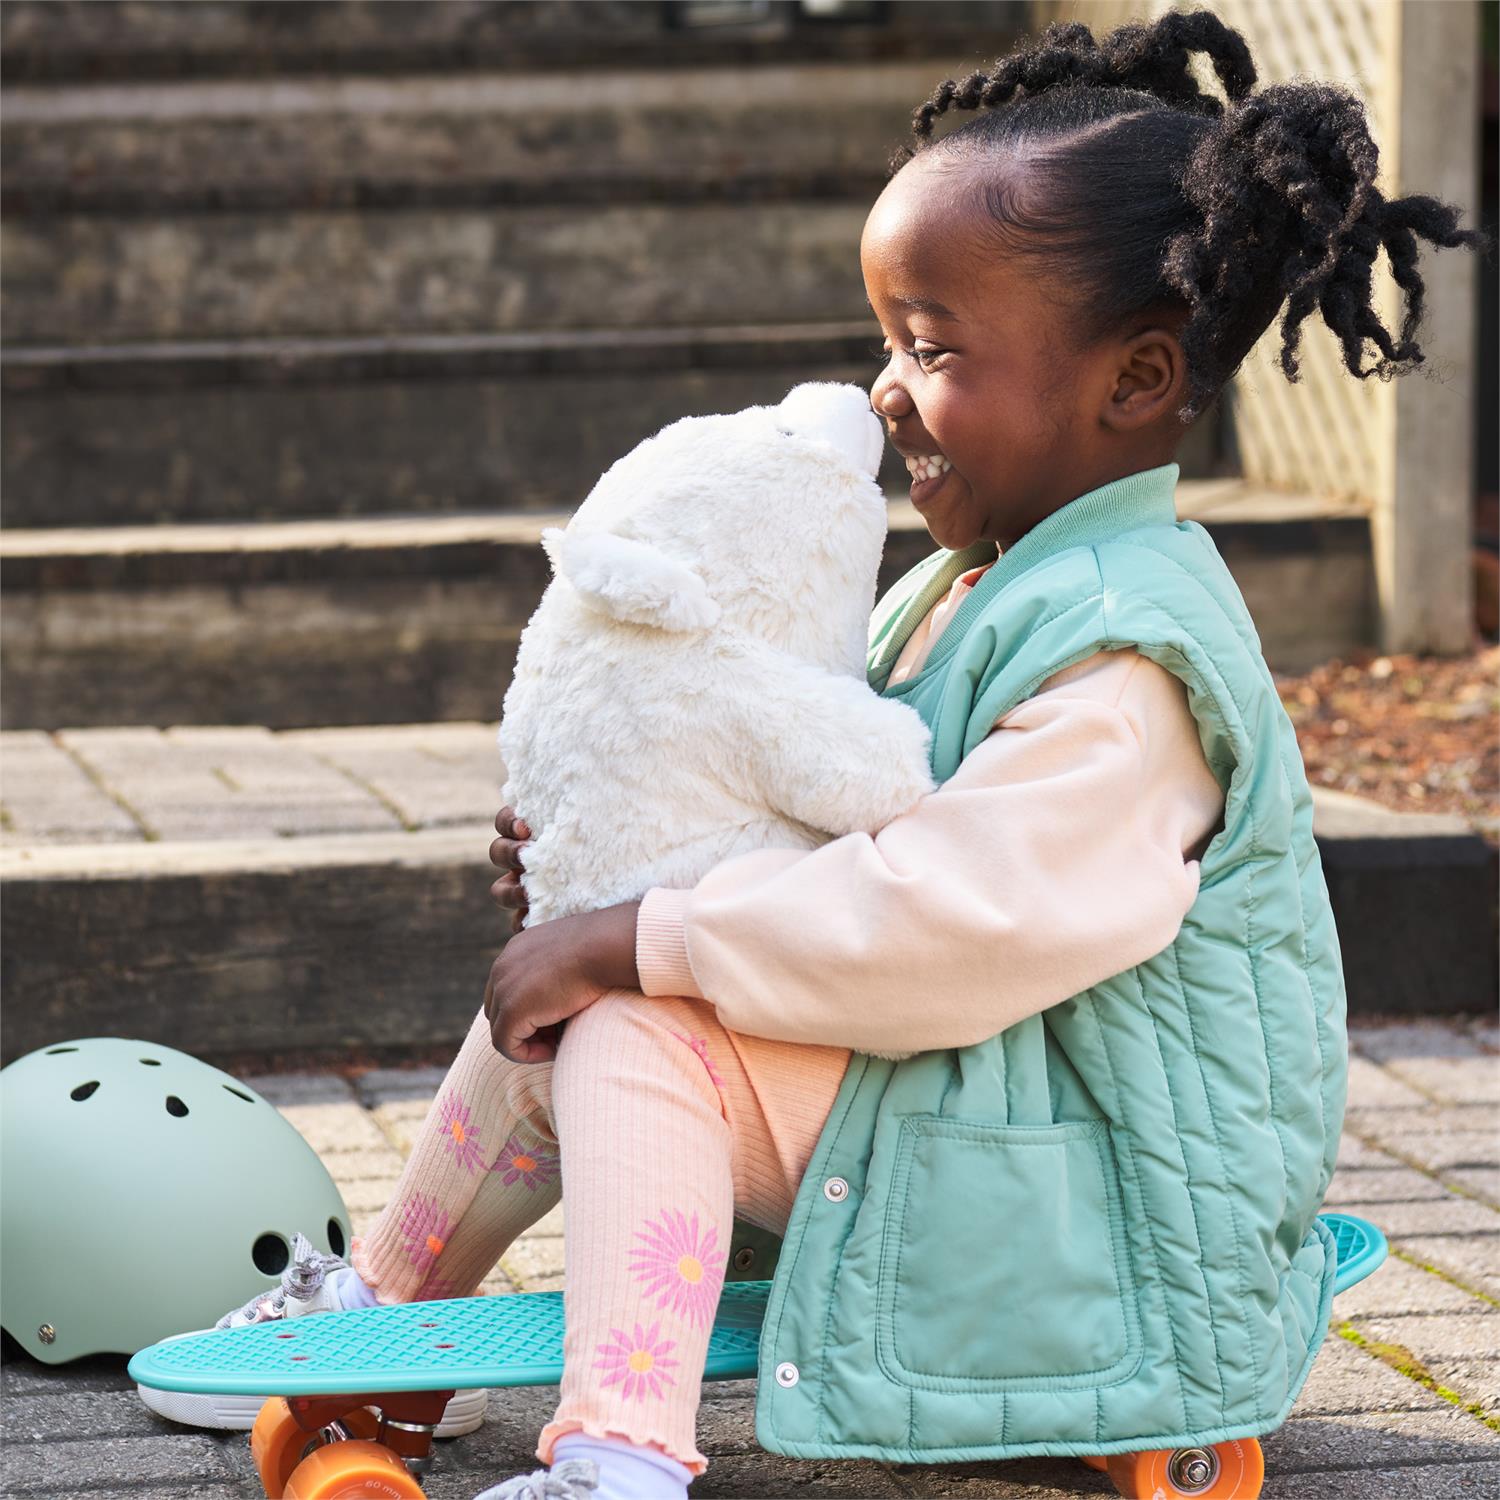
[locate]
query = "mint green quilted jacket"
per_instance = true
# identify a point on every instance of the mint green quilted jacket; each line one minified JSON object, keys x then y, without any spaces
{"x":1096,"y":1231}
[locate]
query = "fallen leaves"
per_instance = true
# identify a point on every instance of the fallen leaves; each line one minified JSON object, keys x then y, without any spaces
{"x":1414,"y":733}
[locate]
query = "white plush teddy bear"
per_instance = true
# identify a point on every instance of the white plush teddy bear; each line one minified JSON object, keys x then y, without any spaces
{"x":692,"y":685}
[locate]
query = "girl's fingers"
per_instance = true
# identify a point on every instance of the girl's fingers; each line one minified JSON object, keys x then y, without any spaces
{"x":508,"y":826}
{"x":509,"y":893}
{"x":505,"y":854}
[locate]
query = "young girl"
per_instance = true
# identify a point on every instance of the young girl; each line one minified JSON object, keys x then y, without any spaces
{"x":1043,"y":1082}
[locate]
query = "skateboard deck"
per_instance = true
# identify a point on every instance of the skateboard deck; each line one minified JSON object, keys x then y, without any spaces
{"x":474,"y":1342}
{"x":459,"y":1343}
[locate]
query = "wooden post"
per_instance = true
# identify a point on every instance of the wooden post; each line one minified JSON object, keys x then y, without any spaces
{"x":1422,"y":518}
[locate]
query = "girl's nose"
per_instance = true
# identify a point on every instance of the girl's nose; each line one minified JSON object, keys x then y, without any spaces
{"x":888,"y":397}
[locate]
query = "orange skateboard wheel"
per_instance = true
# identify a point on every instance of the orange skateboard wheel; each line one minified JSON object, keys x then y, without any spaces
{"x":1093,"y":1461}
{"x":278,"y":1442}
{"x":1227,"y":1471}
{"x":353,"y":1470}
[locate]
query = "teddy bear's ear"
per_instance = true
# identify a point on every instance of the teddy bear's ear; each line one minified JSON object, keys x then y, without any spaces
{"x":631,"y":581}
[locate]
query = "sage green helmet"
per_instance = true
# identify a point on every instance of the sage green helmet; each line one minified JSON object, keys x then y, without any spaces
{"x":144,"y":1193}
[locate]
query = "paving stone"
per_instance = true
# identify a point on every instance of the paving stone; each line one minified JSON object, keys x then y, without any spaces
{"x":1470,"y":1260}
{"x":1454,"y":1080}
{"x":1373,"y":1087}
{"x":1481,"y":1481}
{"x":365,"y":1199}
{"x":301,"y":1088}
{"x":365,"y":1164}
{"x":1345,"y":1379}
{"x":21,"y":1375}
{"x":1400,"y":1040}
{"x":1035,"y":1478}
{"x":432,"y":775}
{"x":1437,"y":1335}
{"x":103,"y":1463}
{"x":1399,"y":1288}
{"x":1442,"y":1216}
{"x":1482,"y":1182}
{"x":48,"y":798}
{"x":400,"y":1121}
{"x":1389,"y":1125}
{"x":531,"y":1258}
{"x":766,"y":1475}
{"x":211,"y":782}
{"x":1358,"y":1188}
{"x":335,"y":1127}
{"x":72,"y":1413}
{"x":1313,"y":1443}
{"x":1357,"y":1153}
{"x":391,"y":1085}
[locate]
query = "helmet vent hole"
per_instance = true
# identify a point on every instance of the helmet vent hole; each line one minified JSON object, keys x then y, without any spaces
{"x":335,"y":1236}
{"x":83,"y":1090}
{"x":175,"y":1106}
{"x":151,"y":1062}
{"x":271,"y":1254}
{"x":53,"y":1051}
{"x":239,"y":1094}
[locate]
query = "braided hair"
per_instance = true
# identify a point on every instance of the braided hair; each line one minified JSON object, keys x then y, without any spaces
{"x":1149,"y":191}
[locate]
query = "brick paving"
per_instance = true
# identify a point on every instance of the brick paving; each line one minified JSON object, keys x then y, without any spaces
{"x":1404,"y":1397}
{"x":145,"y":785}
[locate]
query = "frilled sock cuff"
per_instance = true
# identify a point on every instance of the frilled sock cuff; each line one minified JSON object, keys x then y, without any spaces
{"x":661,"y":946}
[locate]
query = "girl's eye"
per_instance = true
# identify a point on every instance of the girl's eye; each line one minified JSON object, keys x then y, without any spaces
{"x":924,"y":357}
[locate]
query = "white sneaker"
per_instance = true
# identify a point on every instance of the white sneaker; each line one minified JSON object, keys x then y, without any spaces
{"x":307,"y":1286}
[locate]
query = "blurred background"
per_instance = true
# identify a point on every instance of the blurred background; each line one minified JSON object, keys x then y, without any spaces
{"x":316,"y":312}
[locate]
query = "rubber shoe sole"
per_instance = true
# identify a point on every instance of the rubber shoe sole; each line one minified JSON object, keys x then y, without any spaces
{"x":462,"y":1414}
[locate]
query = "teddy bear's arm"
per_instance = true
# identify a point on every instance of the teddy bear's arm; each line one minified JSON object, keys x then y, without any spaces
{"x":824,"y":749}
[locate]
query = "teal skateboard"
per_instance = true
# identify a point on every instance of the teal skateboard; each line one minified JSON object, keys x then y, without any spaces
{"x":355,"y":1395}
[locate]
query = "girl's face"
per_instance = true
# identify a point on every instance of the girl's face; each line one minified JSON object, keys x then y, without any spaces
{"x":982,"y":374}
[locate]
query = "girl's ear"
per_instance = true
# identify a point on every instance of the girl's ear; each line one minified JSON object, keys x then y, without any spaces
{"x":1149,"y":380}
{"x":630,"y":581}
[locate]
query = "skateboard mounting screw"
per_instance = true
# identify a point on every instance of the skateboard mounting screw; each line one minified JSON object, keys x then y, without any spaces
{"x":46,"y":1333}
{"x":744,"y":1258}
{"x":1192,"y":1470}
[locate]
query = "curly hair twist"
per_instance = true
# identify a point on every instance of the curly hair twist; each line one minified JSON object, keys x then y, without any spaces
{"x":1146,"y":192}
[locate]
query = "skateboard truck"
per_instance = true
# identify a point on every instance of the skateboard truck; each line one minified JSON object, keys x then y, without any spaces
{"x":407,"y":1420}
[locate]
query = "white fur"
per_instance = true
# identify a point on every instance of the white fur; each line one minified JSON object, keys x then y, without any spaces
{"x":692,"y":685}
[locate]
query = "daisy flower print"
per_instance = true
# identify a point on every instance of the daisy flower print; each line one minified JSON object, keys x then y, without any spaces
{"x":458,"y":1131}
{"x":640,"y":1360}
{"x":531,"y":1165}
{"x":681,"y":1268}
{"x":424,"y":1231}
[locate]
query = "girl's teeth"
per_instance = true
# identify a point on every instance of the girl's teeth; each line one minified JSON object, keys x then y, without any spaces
{"x":929,"y":467}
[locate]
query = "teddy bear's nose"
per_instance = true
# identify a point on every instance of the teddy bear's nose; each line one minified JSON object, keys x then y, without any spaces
{"x":840,"y":415}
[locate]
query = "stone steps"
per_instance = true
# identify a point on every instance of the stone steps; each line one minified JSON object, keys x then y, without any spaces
{"x":416,"y":618}
{"x":71,"y":40}
{"x":460,"y":140}
{"x":241,"y":891}
{"x":287,"y":429}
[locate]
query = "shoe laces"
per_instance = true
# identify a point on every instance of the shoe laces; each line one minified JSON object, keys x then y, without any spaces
{"x":307,"y":1271}
{"x":572,"y":1479}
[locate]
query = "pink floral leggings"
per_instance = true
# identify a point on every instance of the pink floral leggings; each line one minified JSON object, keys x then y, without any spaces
{"x":664,"y":1124}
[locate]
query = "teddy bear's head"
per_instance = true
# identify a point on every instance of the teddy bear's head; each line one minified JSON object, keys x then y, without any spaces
{"x":767,"y":521}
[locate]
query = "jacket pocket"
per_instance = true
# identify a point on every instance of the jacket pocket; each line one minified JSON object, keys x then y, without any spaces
{"x":1003,"y":1259}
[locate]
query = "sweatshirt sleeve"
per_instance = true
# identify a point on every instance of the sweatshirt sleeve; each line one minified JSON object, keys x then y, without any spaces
{"x":1053,"y":858}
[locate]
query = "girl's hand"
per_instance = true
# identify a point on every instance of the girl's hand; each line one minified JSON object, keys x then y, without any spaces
{"x":505,"y":853}
{"x":554,"y":970}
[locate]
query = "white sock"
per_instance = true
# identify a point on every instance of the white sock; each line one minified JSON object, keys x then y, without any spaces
{"x":351,"y":1289}
{"x":627,"y":1471}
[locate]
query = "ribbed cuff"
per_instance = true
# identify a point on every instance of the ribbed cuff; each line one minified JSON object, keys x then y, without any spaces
{"x":661,"y":945}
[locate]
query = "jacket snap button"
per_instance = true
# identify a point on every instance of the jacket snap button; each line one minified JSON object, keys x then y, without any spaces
{"x":787,"y":1374}
{"x":835,"y":1190}
{"x":744,"y":1258}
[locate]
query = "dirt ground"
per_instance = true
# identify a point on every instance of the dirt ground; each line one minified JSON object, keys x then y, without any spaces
{"x":1415,"y":733}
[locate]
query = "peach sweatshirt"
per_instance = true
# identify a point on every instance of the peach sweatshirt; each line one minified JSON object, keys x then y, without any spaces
{"x":1062,"y":851}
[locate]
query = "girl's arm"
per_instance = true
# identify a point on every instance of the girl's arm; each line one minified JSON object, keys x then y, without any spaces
{"x":1055,"y":857}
